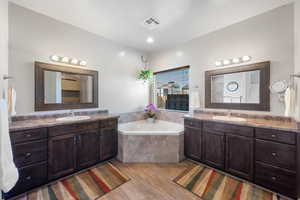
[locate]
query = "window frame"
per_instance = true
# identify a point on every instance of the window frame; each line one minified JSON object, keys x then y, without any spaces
{"x":154,"y":99}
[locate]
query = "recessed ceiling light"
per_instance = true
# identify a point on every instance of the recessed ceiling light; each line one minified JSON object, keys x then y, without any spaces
{"x":122,"y":53}
{"x":150,"y":40}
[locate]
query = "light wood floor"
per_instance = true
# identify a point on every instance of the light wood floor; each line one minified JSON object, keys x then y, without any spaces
{"x":150,"y":182}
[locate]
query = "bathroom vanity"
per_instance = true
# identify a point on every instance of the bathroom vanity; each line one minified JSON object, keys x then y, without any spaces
{"x":46,"y":150}
{"x":267,"y":155}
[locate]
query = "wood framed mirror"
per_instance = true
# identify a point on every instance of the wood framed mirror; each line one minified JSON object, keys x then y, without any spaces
{"x":60,"y":88}
{"x":239,"y":88}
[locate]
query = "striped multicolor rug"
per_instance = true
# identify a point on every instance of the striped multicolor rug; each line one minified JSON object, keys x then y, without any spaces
{"x":209,"y":184}
{"x":87,"y":185}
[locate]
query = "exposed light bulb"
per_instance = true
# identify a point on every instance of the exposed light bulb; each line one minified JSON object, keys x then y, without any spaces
{"x":74,"y":61}
{"x":150,"y":40}
{"x":55,"y":58}
{"x":236,"y":60}
{"x":226,"y":62}
{"x":246,"y":58}
{"x":65,"y":59}
{"x":83,"y":63}
{"x":218,"y":63}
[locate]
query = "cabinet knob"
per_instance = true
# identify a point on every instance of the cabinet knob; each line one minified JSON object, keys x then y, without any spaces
{"x":28,"y":155}
{"x":273,"y":136}
{"x":274,"y":154}
{"x":28,"y":178}
{"x":274,"y":178}
{"x":28,"y":135}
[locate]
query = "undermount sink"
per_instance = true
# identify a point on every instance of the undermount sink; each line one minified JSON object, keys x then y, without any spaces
{"x":228,"y":118}
{"x":73,"y":118}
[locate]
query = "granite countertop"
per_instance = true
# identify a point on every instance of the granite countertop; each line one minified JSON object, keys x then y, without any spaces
{"x":284,"y":125}
{"x":22,"y":125}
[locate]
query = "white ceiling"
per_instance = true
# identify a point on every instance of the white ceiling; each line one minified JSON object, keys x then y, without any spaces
{"x":181,"y":20}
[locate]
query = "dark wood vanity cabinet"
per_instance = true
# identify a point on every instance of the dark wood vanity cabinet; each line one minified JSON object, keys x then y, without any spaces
{"x":82,"y":147}
{"x":108,"y":143}
{"x":87,"y":151}
{"x":213,"y":149}
{"x":47,"y":154}
{"x":30,"y":156}
{"x":266,"y":157}
{"x":193,"y":140}
{"x":62,"y":156}
{"x":239,"y":156}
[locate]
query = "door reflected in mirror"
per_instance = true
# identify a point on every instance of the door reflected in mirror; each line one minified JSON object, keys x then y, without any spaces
{"x":241,"y":87}
{"x":67,"y":88}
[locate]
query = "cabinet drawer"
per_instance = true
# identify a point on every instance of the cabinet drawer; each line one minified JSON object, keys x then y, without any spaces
{"x":276,"y":135}
{"x":29,"y":153}
{"x":109,"y":123}
{"x":192,"y":123}
{"x":25,"y":136}
{"x":72,"y":128}
{"x":228,"y":128}
{"x":276,"y":154}
{"x":276,"y":179}
{"x":29,"y":178}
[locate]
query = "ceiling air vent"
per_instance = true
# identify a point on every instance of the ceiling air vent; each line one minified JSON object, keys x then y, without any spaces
{"x":151,"y":23}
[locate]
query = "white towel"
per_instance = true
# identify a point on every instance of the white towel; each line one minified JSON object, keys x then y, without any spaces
{"x":12,"y":97}
{"x":8,"y":172}
{"x":290,"y":101}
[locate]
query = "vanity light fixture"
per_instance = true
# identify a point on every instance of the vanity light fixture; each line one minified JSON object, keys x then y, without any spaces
{"x":67,"y":60}
{"x":236,"y":60}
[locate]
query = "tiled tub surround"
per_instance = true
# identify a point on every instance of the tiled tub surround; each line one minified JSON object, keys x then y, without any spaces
{"x":159,"y":142}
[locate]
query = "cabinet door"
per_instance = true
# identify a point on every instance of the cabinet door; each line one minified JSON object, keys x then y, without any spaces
{"x":239,"y":156}
{"x":62,"y":156}
{"x":87,"y":149}
{"x":213,"y":149}
{"x":108,"y":143}
{"x":192,"y":143}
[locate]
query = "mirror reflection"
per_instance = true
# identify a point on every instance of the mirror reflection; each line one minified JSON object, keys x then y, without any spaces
{"x":67,"y":88}
{"x":241,"y":87}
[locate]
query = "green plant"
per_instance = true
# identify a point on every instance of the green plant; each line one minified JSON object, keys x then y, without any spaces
{"x":145,"y":75}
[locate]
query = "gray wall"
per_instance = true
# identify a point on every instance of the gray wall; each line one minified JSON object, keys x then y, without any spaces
{"x":34,"y":37}
{"x":269,"y":36}
{"x":297,"y":54}
{"x":3,"y":43}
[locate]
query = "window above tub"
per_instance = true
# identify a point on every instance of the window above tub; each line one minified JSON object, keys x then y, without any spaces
{"x":171,"y":89}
